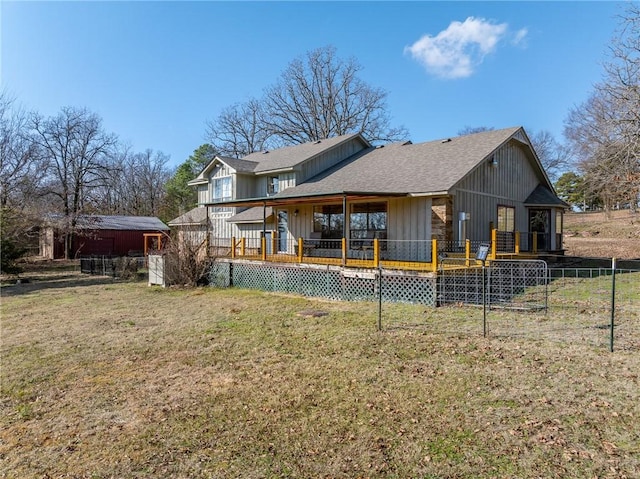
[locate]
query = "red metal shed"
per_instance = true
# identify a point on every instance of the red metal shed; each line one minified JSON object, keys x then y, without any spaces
{"x":101,"y":235}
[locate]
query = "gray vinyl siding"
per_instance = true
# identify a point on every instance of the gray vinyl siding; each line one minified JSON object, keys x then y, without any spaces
{"x":409,"y":219}
{"x":220,"y":227}
{"x":252,"y":231}
{"x":326,"y":160}
{"x":285,"y":180}
{"x":243,"y":186}
{"x":203,"y":194}
{"x":485,"y":188}
{"x":300,"y":226}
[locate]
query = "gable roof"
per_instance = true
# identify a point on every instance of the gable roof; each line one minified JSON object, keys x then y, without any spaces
{"x":543,"y":196}
{"x":279,"y":159}
{"x":431,"y":167}
{"x":241,"y":166}
{"x":290,"y":156}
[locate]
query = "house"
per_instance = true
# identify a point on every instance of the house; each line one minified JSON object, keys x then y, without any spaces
{"x":262,"y":174}
{"x":346,"y":201}
{"x":101,"y":235}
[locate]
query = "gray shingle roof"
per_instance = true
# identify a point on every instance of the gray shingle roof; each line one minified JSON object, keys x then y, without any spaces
{"x":251,"y":215}
{"x":543,"y":196}
{"x":196,"y":216}
{"x":241,"y":166}
{"x":105,"y":222}
{"x":290,"y":156}
{"x":406,"y":168}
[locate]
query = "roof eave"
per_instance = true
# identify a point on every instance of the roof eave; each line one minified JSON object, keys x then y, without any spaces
{"x":305,"y":198}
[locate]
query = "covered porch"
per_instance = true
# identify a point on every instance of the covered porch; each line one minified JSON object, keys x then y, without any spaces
{"x":364,"y":230}
{"x":422,"y":255}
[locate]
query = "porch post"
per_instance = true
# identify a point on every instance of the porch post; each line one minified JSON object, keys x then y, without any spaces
{"x":233,"y":247}
{"x":517,"y":242}
{"x":300,"y":246}
{"x":344,"y":229}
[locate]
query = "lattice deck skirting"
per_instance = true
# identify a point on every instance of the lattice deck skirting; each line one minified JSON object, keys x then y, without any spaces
{"x":333,"y":282}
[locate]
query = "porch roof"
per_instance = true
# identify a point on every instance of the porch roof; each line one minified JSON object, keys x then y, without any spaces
{"x":252,"y":215}
{"x":196,"y":216}
{"x":542,"y":196}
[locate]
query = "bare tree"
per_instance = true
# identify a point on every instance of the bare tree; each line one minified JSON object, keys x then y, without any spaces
{"x":20,"y":176}
{"x":605,"y":130}
{"x":151,"y":174}
{"x":76,"y":149}
{"x":133,"y":183}
{"x":319,"y":95}
{"x":469,"y":130}
{"x":554,"y":156}
{"x":239,"y":130}
{"x":19,"y":172}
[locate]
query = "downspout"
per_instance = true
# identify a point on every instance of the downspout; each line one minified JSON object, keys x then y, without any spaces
{"x":264,"y":219}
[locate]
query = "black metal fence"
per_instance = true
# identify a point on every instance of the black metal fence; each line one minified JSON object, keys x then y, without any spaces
{"x":114,"y":266}
{"x":595,"y":306}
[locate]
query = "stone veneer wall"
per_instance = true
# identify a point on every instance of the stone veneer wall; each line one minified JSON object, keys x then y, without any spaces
{"x":442,"y":219}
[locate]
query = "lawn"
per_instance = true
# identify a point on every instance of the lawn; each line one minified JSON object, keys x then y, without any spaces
{"x":105,"y":379}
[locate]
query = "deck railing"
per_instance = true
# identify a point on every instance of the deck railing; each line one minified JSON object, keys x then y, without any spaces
{"x":409,"y":254}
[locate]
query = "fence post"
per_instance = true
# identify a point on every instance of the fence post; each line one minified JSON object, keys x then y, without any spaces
{"x":243,"y":242}
{"x":379,"y":299}
{"x":484,"y":299}
{"x":344,"y":251}
{"x":613,"y":302}
{"x":263,"y":247}
{"x":517,"y":242}
{"x":233,"y":247}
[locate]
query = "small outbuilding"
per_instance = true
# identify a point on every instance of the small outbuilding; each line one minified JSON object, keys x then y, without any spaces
{"x":100,"y":235}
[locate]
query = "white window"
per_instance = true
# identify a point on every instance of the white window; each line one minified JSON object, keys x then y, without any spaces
{"x":273,"y":185}
{"x":222,"y":189}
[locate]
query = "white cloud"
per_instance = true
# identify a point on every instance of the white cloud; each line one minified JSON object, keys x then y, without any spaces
{"x":520,"y":35}
{"x":458,"y":50}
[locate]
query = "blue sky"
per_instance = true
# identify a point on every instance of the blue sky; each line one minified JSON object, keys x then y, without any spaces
{"x":156,"y":72}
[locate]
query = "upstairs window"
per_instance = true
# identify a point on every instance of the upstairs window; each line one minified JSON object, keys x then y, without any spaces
{"x":273,"y":185}
{"x":222,"y":189}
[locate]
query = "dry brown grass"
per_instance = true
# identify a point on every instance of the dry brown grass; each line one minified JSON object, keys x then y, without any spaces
{"x":121,"y":380}
{"x":600,"y":235}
